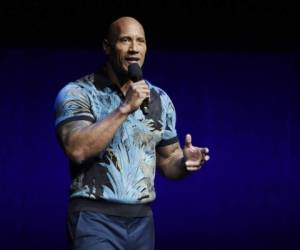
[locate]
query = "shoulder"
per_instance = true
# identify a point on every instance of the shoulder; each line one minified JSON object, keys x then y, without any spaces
{"x":76,"y":89}
{"x":161,"y":95}
{"x":159,"y":92}
{"x":82,"y":83}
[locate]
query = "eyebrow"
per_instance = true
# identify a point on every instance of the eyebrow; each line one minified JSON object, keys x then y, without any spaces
{"x":130,"y":37}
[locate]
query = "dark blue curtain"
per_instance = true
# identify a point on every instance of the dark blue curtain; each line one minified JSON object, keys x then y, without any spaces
{"x":243,"y":106}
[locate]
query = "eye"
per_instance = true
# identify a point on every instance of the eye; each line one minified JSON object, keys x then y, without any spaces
{"x":124,"y":39}
{"x":141,"y":40}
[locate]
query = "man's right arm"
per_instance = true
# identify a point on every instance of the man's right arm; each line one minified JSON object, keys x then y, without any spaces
{"x":83,"y":139}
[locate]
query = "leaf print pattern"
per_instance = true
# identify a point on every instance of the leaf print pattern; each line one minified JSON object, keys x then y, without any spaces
{"x":125,"y":171}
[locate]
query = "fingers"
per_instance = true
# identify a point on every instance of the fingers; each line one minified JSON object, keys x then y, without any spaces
{"x":196,"y":158}
{"x":204,"y":154}
{"x":140,"y":88}
{"x":140,"y":84}
{"x":192,"y":165}
{"x":188,"y":140}
{"x":204,"y":150}
{"x":136,"y":94}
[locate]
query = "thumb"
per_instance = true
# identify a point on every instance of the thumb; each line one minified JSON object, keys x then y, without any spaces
{"x":188,"y":140}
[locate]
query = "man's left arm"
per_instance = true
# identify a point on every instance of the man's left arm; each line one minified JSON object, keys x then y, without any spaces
{"x":175,"y":163}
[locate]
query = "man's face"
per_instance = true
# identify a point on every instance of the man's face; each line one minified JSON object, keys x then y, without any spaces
{"x":127,"y":45}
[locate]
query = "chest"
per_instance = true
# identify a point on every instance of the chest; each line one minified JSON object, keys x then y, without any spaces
{"x":137,"y":128}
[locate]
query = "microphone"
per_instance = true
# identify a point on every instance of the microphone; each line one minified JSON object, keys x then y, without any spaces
{"x":135,"y":74}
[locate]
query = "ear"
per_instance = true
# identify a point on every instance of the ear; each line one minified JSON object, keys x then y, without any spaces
{"x":106,"y":46}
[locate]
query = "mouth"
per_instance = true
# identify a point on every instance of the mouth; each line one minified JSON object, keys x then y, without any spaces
{"x":132,"y":59}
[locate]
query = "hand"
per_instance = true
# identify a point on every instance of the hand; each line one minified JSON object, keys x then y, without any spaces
{"x":194,"y":157}
{"x":136,"y":93}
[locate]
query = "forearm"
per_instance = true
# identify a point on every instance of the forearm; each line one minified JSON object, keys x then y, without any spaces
{"x":174,"y":167}
{"x":86,"y":142}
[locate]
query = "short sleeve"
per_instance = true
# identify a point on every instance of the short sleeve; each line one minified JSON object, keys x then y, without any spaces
{"x":169,"y":133}
{"x":72,"y":103}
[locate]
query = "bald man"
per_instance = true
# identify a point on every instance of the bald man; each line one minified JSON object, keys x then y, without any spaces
{"x":114,"y":147}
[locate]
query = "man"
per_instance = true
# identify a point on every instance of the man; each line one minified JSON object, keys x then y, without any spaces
{"x":114,"y":147}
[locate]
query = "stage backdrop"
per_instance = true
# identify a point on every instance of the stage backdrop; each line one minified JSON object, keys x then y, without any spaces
{"x":244,"y":106}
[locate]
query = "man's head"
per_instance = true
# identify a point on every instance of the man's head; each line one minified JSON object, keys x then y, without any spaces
{"x":125,"y":44}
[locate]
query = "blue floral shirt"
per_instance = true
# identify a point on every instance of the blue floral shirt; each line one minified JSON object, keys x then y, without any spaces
{"x":124,"y":172}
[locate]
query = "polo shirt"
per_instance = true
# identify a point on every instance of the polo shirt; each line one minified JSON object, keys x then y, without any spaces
{"x":124,"y":171}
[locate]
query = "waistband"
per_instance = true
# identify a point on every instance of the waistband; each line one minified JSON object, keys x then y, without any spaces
{"x":110,"y":208}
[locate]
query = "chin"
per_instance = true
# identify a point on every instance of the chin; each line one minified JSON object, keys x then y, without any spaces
{"x":123,"y":70}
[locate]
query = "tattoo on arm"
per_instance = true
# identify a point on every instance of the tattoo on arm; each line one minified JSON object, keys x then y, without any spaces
{"x":65,"y":131}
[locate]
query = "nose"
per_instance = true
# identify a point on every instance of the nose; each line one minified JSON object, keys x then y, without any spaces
{"x":133,"y":47}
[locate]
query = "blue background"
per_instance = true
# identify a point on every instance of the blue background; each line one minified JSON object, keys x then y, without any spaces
{"x":243,"y":106}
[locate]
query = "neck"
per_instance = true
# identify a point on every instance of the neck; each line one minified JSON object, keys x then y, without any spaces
{"x":117,"y":78}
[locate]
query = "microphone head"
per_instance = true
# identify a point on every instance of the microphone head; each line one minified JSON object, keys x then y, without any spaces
{"x":135,"y":72}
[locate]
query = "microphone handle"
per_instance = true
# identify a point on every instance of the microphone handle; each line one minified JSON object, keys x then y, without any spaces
{"x":145,"y":104}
